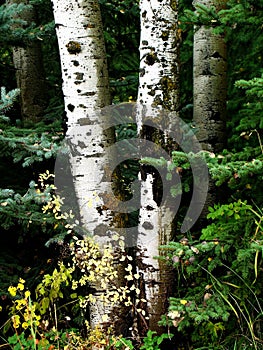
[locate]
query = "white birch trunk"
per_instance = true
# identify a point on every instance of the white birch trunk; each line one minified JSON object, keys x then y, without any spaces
{"x":86,"y":91}
{"x":158,"y":89}
{"x":159,"y":61}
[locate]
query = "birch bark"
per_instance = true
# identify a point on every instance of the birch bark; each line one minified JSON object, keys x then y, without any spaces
{"x":210,"y":84}
{"x":86,"y":91}
{"x":210,"y":90}
{"x":159,"y":90}
{"x":30,"y":74}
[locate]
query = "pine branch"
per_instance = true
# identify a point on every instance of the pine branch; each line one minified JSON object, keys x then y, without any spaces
{"x":7,"y":101}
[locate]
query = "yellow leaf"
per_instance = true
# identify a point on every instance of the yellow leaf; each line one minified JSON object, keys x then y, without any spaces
{"x":20,"y":286}
{"x":12,"y":291}
{"x":25,"y":325}
{"x":183,"y":301}
{"x":208,"y":286}
{"x":16,"y":321}
{"x":27,"y":294}
{"x":129,"y":278}
{"x":105,"y":318}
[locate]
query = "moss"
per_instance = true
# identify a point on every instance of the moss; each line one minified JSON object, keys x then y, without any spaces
{"x":167,"y":85}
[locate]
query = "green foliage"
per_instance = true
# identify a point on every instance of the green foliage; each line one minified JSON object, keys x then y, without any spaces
{"x":29,"y":146}
{"x":250,"y":113}
{"x":10,"y":271}
{"x":121,"y":31}
{"x":9,"y":21}
{"x":50,"y":289}
{"x":119,"y":344}
{"x":253,"y":87}
{"x":7,"y":101}
{"x":152,"y":341}
{"x":26,"y":210}
{"x":219,"y":294}
{"x":218,"y":300}
{"x":88,"y":265}
{"x":21,"y":342}
{"x":202,"y":15}
{"x":15,"y":30}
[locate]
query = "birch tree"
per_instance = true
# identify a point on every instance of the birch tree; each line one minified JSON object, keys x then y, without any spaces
{"x":29,"y":67}
{"x":86,"y":91}
{"x":210,"y":83}
{"x":210,"y":88}
{"x":158,"y":90}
